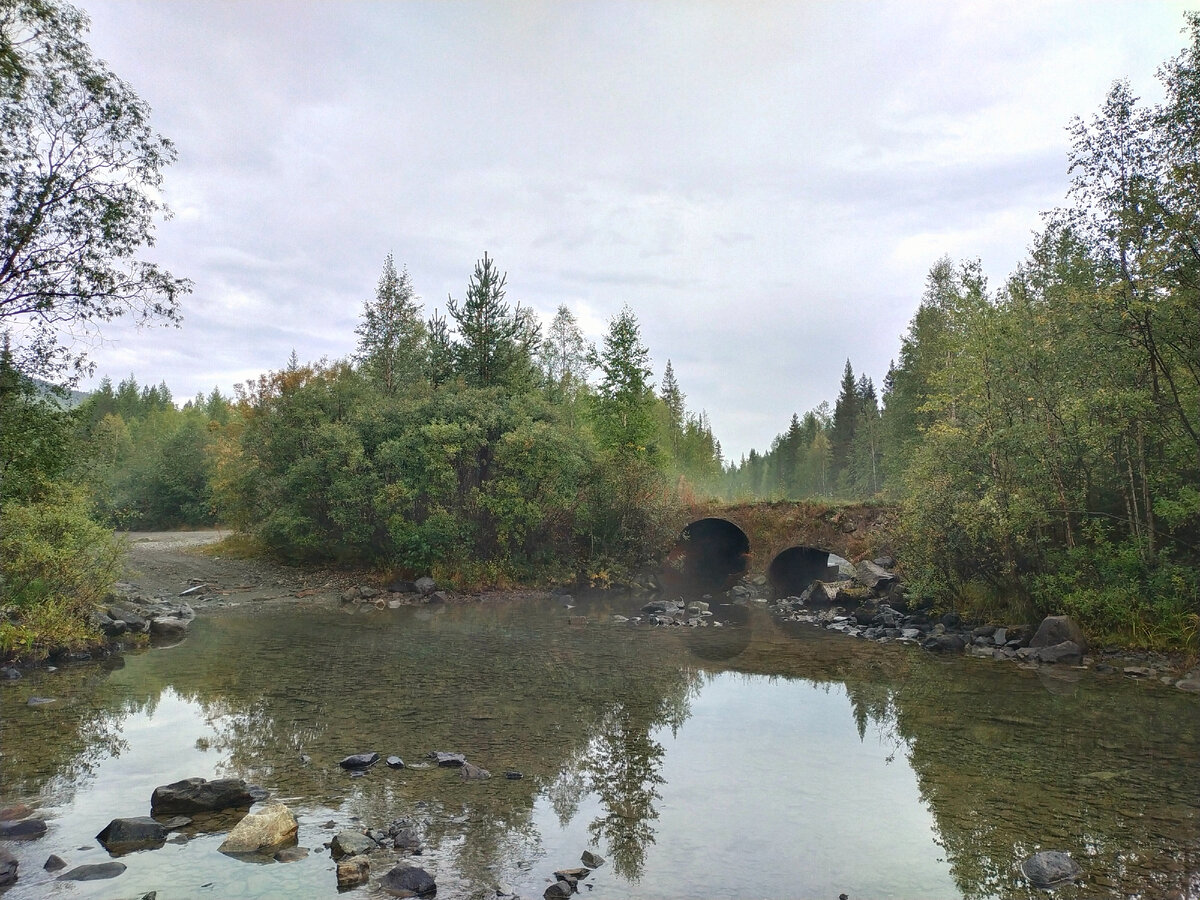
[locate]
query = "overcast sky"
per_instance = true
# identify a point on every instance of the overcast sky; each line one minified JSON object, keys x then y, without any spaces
{"x":766,"y":185}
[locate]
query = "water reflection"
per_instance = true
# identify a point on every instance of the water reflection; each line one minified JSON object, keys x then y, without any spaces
{"x":799,"y":765}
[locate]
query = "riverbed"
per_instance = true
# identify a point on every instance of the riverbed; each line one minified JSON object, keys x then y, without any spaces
{"x":752,"y":760}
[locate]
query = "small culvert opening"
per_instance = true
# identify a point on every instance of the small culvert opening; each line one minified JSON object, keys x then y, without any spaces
{"x":710,"y":555}
{"x":795,"y":568}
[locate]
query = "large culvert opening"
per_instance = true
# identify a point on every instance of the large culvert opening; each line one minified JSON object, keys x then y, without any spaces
{"x":710,"y":555}
{"x":796,"y":568}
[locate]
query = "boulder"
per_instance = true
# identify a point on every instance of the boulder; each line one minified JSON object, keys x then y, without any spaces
{"x":448,"y":760}
{"x":945,"y":643}
{"x":425,"y":585}
{"x":1056,"y":630}
{"x":1050,"y":868}
{"x":96,"y":872}
{"x":169,"y":626}
{"x":24,"y":830}
{"x":353,"y":871}
{"x":872,"y":576}
{"x":291,"y":854}
{"x":138,"y":833}
{"x":269,"y":829}
{"x":8,"y":868}
{"x":472,"y":772}
{"x":408,"y":881}
{"x":560,"y":890}
{"x":406,"y":839}
{"x":402,"y":586}
{"x":359,"y":761}
{"x":1067,"y":653}
{"x":395,"y":762}
{"x":193,"y":795}
{"x":54,"y":863}
{"x":350,"y":843}
{"x":591,"y":860}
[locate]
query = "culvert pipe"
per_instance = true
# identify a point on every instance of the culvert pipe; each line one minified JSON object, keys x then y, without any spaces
{"x":709,"y":556}
{"x":795,"y":568}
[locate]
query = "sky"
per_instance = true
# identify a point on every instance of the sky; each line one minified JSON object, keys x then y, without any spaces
{"x":766,"y":185}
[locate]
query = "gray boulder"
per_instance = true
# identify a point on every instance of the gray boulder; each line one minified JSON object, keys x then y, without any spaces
{"x":96,"y":872}
{"x":1050,"y":868}
{"x":193,"y":795}
{"x":408,"y":881}
{"x":359,"y":761}
{"x":872,"y":576}
{"x":1056,"y":630}
{"x":472,"y":772}
{"x":591,"y":860}
{"x":560,"y":890}
{"x":24,"y":830}
{"x":169,"y":626}
{"x":1068,"y":653}
{"x":448,"y":760}
{"x":8,"y":868}
{"x":425,"y":585}
{"x":350,"y":843}
{"x":945,"y":643}
{"x":138,"y":833}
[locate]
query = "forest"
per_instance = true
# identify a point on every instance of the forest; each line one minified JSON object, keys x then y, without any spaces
{"x":1040,"y":438}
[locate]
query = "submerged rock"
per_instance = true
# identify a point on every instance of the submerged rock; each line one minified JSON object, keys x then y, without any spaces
{"x":8,"y":867}
{"x":138,"y":833}
{"x":1050,"y":868}
{"x":408,"y":881}
{"x":472,"y":772}
{"x":271,"y":828}
{"x":395,"y":762}
{"x":193,"y":795}
{"x":448,"y":760}
{"x":359,"y":761}
{"x":1067,"y":653}
{"x":97,"y":872}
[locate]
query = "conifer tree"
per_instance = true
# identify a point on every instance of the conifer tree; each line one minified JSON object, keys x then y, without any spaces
{"x":845,"y":418}
{"x":391,"y":336}
{"x":623,"y":409}
{"x":488,"y":351}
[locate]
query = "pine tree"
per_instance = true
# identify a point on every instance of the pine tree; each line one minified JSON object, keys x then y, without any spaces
{"x":391,"y":336}
{"x":488,"y":350}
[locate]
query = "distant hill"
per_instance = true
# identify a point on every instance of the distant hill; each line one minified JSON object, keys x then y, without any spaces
{"x":67,"y":399}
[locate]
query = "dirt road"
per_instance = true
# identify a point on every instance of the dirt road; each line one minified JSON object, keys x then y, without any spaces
{"x":167,"y":563}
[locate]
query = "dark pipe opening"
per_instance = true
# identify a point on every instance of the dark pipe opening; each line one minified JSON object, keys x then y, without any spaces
{"x":797,"y":567}
{"x":710,"y":555}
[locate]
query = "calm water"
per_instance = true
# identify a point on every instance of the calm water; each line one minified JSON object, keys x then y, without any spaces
{"x":744,"y":762}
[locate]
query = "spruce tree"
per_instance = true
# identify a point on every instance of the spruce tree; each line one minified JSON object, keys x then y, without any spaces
{"x":391,"y":336}
{"x":845,"y":418}
{"x":624,"y":408}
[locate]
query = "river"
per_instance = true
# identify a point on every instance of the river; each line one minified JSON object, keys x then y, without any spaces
{"x":754,"y":760}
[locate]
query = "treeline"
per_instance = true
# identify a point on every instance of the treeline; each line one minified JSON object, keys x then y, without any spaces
{"x":1043,"y":437}
{"x":476,"y":444}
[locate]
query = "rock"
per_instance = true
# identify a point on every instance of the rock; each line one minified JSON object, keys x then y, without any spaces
{"x":353,"y":871}
{"x":175,"y":822}
{"x":884,"y":562}
{"x":1056,"y":630}
{"x":572,"y":876}
{"x":270,"y":828}
{"x":24,"y":830}
{"x":96,"y":872}
{"x":359,"y":761}
{"x":349,"y":596}
{"x":448,"y":760}
{"x":872,"y":576}
{"x":19,"y":811}
{"x":41,"y":701}
{"x":1019,"y":635}
{"x":138,"y":833}
{"x":472,"y":772}
{"x":408,"y":881}
{"x":10,"y":673}
{"x":513,"y":775}
{"x":291,"y":854}
{"x":350,"y":843}
{"x":395,"y":762}
{"x":406,"y":839}
{"x":1000,"y":637}
{"x":945,"y":643}
{"x":591,"y":860}
{"x":1190,"y":682}
{"x":401,"y":586}
{"x":8,"y":867}
{"x":133,"y":621}
{"x":368,"y":593}
{"x":438,"y":597}
{"x":866,"y":614}
{"x":1067,"y":653}
{"x":425,"y":585}
{"x":560,"y":890}
{"x":980,"y":652}
{"x":1138,"y":671}
{"x":1050,"y":868}
{"x":54,"y":863}
{"x":169,"y":626}
{"x":193,"y":795}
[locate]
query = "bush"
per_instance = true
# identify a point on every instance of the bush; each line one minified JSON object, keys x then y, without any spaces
{"x":56,"y":565}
